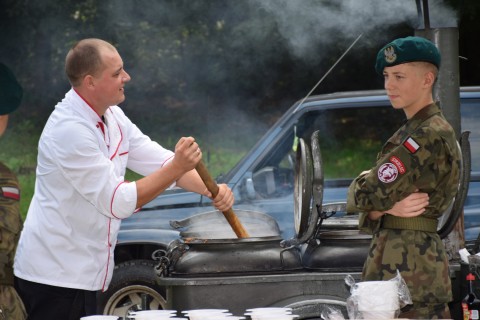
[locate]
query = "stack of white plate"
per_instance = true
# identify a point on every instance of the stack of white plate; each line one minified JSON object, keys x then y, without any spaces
{"x":99,"y":317}
{"x":210,"y":314}
{"x":153,"y":315}
{"x":271,"y":314}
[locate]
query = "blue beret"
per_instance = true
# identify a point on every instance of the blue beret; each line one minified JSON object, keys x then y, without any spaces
{"x":10,"y":91}
{"x":409,"y":49}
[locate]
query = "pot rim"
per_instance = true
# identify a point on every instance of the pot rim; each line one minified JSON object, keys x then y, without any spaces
{"x":200,"y":241}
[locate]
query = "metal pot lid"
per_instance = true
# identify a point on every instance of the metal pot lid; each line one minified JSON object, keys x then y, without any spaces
{"x":317,"y":181}
{"x":213,"y":225}
{"x":302,"y":194}
{"x":308,"y":182}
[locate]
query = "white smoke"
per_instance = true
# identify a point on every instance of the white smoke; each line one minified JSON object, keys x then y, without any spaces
{"x":304,"y":23}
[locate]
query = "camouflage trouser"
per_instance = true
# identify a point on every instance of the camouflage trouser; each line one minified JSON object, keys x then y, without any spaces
{"x":420,"y":257}
{"x":11,"y":306}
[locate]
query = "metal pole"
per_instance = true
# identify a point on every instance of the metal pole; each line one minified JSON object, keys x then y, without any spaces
{"x":447,"y":94}
{"x":447,"y":87}
{"x":426,"y":15}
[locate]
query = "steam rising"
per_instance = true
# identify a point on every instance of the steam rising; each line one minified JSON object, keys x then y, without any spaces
{"x":261,"y":32}
{"x":306,"y":22}
{"x":212,"y":62}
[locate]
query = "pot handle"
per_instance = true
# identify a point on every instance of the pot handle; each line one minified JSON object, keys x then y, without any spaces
{"x":166,"y":259}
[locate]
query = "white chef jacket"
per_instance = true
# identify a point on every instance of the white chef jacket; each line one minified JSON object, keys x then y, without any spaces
{"x":81,"y":196}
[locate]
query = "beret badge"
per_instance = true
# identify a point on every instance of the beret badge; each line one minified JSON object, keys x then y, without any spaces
{"x":390,"y":55}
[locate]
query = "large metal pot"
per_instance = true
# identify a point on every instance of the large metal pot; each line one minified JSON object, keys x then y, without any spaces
{"x":328,"y":253}
{"x":209,"y":247}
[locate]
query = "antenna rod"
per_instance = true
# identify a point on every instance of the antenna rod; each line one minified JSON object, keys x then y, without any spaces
{"x":329,"y":70}
{"x":426,"y":17}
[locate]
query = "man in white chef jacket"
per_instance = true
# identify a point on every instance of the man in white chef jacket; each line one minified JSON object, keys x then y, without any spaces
{"x":65,"y":252}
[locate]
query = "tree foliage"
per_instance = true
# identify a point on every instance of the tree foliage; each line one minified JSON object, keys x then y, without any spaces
{"x":210,"y":67}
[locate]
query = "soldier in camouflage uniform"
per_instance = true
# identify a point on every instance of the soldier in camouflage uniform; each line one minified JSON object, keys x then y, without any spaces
{"x":420,"y":159}
{"x":11,"y":307}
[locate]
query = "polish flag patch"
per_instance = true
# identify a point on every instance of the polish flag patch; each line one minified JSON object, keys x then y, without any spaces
{"x":11,"y":193}
{"x":411,"y":145}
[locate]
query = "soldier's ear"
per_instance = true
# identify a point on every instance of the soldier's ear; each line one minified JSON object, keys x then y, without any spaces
{"x":429,"y":79}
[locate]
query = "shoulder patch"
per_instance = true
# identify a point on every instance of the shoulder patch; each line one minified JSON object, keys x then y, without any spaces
{"x":10,"y":192}
{"x":399,"y":164}
{"x":411,"y":145}
{"x":387,"y":172}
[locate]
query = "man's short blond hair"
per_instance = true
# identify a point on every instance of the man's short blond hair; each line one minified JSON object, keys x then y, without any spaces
{"x":84,"y":58}
{"x":428,"y":67}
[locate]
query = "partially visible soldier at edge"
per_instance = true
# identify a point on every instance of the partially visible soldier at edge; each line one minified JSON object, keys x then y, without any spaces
{"x":11,"y":306}
{"x":417,"y":170}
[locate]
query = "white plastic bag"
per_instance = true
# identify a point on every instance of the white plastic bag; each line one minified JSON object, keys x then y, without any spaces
{"x":332,"y":313}
{"x":377,"y":299}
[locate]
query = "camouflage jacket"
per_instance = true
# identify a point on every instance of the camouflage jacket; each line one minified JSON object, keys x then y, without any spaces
{"x":423,"y":155}
{"x":10,"y":223}
{"x":11,"y":306}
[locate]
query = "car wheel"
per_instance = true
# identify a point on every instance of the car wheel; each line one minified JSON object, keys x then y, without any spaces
{"x":133,"y":287}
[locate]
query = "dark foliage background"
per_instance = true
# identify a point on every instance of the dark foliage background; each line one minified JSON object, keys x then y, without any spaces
{"x":220,"y":70}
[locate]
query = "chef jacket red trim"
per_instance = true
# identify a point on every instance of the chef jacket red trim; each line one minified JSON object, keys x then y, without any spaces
{"x":167,"y":160}
{"x":119,"y":143}
{"x":113,"y":197}
{"x":108,"y":257}
{"x":99,"y":116}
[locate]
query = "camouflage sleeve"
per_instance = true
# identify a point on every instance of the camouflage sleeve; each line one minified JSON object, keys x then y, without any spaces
{"x":10,"y":220}
{"x":364,"y":224}
{"x":351,"y":200}
{"x":414,"y":164}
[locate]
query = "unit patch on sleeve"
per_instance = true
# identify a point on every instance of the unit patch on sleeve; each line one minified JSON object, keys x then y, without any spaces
{"x":387,"y":172}
{"x":411,"y":145}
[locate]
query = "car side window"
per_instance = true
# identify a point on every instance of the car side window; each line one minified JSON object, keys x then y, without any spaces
{"x":273,"y":176}
{"x":350,"y":138}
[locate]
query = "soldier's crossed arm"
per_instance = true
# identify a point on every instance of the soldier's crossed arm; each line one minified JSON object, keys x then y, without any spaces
{"x":415,"y":164}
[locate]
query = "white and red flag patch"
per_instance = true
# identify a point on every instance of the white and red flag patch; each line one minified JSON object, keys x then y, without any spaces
{"x":411,"y":145}
{"x":11,"y":192}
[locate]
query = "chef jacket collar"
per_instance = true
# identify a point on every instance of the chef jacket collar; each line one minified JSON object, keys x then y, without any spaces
{"x":97,"y":118}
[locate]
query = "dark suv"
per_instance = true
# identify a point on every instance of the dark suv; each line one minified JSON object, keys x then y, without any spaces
{"x":352,"y":128}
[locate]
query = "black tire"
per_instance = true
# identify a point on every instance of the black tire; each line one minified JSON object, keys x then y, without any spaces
{"x":133,"y":285}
